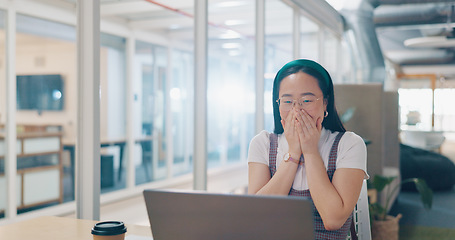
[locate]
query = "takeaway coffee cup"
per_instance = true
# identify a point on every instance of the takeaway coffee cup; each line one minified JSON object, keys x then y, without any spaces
{"x":109,"y":230}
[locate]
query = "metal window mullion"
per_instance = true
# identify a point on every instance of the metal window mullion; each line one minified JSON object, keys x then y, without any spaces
{"x":259,"y":62}
{"x":130,"y":50}
{"x":200,"y":94}
{"x":11,"y":135}
{"x":88,"y":126}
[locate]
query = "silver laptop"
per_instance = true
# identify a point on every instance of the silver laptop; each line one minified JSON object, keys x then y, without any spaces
{"x":177,"y":215}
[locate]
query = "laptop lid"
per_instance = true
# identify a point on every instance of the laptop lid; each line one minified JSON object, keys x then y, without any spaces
{"x":199,"y":215}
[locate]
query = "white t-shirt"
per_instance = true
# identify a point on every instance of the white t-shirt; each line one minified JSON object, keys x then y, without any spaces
{"x":352,"y":153}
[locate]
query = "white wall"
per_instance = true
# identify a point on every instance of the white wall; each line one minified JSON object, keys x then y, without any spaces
{"x":37,"y":55}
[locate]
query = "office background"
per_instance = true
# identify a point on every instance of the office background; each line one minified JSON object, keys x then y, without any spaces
{"x":147,"y":90}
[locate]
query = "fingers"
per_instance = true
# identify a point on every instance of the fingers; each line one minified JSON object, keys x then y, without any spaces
{"x":306,"y":120}
{"x":291,"y":116}
{"x":304,"y":123}
{"x":290,"y":131}
{"x":300,"y":131}
{"x":290,"y":119}
{"x":289,"y":123}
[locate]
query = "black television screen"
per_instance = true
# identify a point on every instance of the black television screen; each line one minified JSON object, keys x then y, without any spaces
{"x":40,"y":92}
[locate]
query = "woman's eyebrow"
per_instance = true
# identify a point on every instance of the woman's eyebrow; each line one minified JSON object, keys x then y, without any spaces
{"x":307,"y":93}
{"x":302,"y":94}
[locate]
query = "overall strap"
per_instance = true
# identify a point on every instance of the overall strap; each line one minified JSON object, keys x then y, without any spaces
{"x":330,"y":171}
{"x":272,"y":153}
{"x":333,"y":156}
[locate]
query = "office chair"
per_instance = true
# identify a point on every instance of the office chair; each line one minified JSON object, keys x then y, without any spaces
{"x":361,"y":215}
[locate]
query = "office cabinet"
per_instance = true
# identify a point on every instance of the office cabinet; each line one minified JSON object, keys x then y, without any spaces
{"x":39,"y":169}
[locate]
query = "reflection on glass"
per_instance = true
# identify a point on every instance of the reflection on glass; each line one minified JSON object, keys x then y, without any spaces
{"x":144,"y":122}
{"x":230,"y":87}
{"x":160,"y":118}
{"x":46,"y":112}
{"x":181,"y":100}
{"x":112,"y":113}
{"x":149,"y":123}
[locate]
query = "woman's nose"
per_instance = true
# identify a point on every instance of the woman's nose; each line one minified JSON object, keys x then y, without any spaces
{"x":297,"y":105}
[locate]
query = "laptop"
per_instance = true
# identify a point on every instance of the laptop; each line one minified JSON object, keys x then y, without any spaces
{"x":176,"y":215}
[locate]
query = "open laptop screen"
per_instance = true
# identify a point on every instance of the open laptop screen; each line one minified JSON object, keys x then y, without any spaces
{"x":199,"y":215}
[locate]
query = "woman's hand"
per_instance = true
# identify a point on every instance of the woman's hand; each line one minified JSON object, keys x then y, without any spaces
{"x":309,"y":132}
{"x":291,"y":134}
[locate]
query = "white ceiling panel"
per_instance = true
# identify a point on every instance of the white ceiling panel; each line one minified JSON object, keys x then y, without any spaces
{"x":123,"y":8}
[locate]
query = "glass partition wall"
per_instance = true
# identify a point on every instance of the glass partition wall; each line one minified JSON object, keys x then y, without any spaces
{"x":181,"y":107}
{"x":278,"y":49}
{"x":46,"y":122}
{"x":163,"y":83}
{"x":150,"y":122}
{"x":112,"y":113}
{"x":144,"y":121}
{"x":230,"y":84}
{"x":331,"y":47}
{"x":309,"y":38}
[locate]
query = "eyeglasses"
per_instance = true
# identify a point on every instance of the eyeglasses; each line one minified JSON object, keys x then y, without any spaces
{"x":286,"y":103}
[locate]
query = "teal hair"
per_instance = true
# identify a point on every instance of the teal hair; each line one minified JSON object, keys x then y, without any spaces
{"x":304,"y":63}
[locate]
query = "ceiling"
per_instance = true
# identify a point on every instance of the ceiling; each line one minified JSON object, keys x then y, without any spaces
{"x":395,"y":21}
{"x":230,"y":21}
{"x":417,"y":35}
{"x":175,"y":17}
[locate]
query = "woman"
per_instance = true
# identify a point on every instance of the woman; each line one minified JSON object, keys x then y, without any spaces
{"x":309,"y":151}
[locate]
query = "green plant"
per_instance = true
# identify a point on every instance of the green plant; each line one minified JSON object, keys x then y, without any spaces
{"x":379,"y":212}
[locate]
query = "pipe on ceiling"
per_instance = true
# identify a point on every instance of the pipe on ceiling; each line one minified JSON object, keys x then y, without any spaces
{"x":411,"y":14}
{"x":426,"y":14}
{"x":422,"y":57}
{"x":361,"y":36}
{"x":399,"y":2}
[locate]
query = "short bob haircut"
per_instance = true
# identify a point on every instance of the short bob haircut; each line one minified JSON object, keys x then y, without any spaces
{"x":332,"y":122}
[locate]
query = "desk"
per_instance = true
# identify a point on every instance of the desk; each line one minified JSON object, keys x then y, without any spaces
{"x":145,"y":142}
{"x":45,"y":228}
{"x":120,"y":143}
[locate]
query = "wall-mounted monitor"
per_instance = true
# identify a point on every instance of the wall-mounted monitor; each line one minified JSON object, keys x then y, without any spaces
{"x":40,"y":92}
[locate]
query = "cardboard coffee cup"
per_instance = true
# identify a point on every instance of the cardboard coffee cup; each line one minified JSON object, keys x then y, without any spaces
{"x":109,"y":230}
